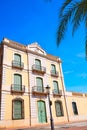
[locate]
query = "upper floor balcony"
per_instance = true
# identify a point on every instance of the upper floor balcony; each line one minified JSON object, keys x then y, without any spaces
{"x":38,"y":90}
{"x":16,"y":88}
{"x":38,"y":69}
{"x":54,"y":73}
{"x":17,"y":64}
{"x":57,"y":92}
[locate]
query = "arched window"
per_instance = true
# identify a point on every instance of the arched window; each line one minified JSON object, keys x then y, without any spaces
{"x":37,"y":64}
{"x":17,"y":82}
{"x":39,"y":84}
{"x":56,"y":87}
{"x":74,"y":106}
{"x":17,"y":109}
{"x":17,"y":60}
{"x":53,"y":69}
{"x":59,"y":108}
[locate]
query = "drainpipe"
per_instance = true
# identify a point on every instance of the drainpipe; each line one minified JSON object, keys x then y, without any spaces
{"x":63,"y":86}
{"x":29,"y":91}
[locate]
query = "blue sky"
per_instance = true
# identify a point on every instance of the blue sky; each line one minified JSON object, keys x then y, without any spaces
{"x":27,"y":21}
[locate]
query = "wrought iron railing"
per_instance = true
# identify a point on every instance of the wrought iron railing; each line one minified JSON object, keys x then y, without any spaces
{"x":57,"y":92}
{"x":54,"y":73}
{"x":17,"y":64}
{"x":17,"y":88}
{"x":38,"y":68}
{"x":38,"y":89}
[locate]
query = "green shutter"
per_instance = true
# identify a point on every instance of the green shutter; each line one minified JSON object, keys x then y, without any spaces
{"x":39,"y":83}
{"x":58,"y":109}
{"x":41,"y":112}
{"x":17,"y":82}
{"x":38,"y":64}
{"x":17,"y":109}
{"x":56,"y":87}
{"x":53,"y":68}
{"x":17,"y":59}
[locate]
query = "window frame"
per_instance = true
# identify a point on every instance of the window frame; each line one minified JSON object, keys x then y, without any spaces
{"x":20,"y":79}
{"x":57,"y":86}
{"x":74,"y":107}
{"x":61,"y":108}
{"x":41,"y":84}
{"x":53,"y":70}
{"x":22,"y":108}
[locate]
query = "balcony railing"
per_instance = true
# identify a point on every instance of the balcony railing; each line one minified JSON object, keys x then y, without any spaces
{"x":37,"y":90}
{"x":57,"y":92}
{"x":15,"y":88}
{"x":17,"y":64}
{"x":39,"y":69}
{"x":54,"y":73}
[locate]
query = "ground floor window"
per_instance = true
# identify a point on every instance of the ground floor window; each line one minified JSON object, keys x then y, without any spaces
{"x":74,"y":106}
{"x":18,"y":109}
{"x":59,"y":108}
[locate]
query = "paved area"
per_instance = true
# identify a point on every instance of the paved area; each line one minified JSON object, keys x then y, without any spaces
{"x":70,"y":126}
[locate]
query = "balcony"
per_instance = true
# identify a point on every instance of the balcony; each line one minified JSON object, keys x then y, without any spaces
{"x":36,"y":90}
{"x":17,"y":64}
{"x":54,"y":73}
{"x":38,"y":69}
{"x":57,"y":93}
{"x":15,"y":88}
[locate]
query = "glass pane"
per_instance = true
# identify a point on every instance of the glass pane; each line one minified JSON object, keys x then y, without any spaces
{"x":74,"y":108}
{"x":17,"y":82}
{"x":39,"y":84}
{"x":53,"y":69}
{"x":58,"y":109}
{"x":38,"y":64}
{"x":56,"y":88}
{"x":17,"y":109}
{"x":17,"y":59}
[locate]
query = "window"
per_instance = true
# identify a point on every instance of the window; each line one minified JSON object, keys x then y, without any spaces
{"x":17,"y":60}
{"x":53,"y":69}
{"x":17,"y":82}
{"x":37,"y":64}
{"x":74,"y":106}
{"x":18,"y":109}
{"x":56,"y":87}
{"x":59,"y":109}
{"x":39,"y":83}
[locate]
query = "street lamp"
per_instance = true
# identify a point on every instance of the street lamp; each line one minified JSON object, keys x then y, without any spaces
{"x":50,"y":103}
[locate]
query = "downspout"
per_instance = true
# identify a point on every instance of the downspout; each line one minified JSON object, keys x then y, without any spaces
{"x":29,"y":91}
{"x":63,"y":86}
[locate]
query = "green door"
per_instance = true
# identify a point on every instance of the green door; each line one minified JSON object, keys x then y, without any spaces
{"x":56,"y":88}
{"x":17,"y":82}
{"x":39,"y":83}
{"x":17,"y":59}
{"x":38,"y":64}
{"x":41,"y":112}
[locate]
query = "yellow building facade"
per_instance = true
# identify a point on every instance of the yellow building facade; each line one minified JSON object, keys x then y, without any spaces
{"x":25,"y":72}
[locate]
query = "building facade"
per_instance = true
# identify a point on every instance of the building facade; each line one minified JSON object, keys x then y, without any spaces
{"x":25,"y":72}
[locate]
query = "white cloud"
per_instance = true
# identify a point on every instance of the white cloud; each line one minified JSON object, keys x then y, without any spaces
{"x":81,"y":55}
{"x":68,"y":72}
{"x":83,"y":75}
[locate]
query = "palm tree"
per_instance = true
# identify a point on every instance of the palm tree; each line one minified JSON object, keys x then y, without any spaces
{"x":73,"y":11}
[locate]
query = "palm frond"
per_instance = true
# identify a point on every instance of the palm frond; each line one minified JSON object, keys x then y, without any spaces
{"x":66,"y":3}
{"x":64,"y":22}
{"x":86,"y":39}
{"x":79,"y":15}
